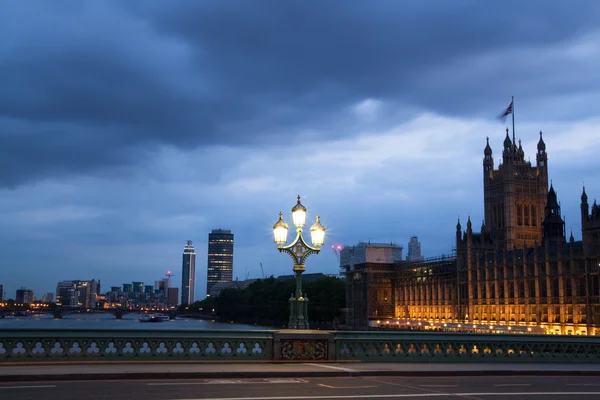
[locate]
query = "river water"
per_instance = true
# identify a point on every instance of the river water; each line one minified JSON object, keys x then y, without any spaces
{"x":129,"y":322}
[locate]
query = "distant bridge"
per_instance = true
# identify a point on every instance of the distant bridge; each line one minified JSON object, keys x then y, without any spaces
{"x":59,"y":312}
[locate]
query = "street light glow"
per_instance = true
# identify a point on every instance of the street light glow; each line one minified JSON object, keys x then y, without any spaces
{"x":317,"y":233}
{"x":299,"y":214}
{"x":280,"y":231}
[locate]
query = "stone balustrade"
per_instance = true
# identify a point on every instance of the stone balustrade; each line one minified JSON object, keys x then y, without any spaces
{"x":464,"y":347}
{"x":62,"y":345}
{"x":291,"y":345}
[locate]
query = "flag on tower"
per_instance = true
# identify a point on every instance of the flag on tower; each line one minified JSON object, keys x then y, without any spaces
{"x":508,"y":111}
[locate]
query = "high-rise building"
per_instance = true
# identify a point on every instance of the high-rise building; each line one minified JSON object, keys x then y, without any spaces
{"x":414,"y":250}
{"x":220,"y":258}
{"x":188,"y":274}
{"x":24,"y":296}
{"x":172,"y":295}
{"x":77,"y":293}
{"x":138,"y":287}
{"x":65,"y":293}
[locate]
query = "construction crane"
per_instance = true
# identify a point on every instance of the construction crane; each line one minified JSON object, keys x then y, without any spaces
{"x":336,"y":250}
{"x":262,"y":270}
{"x":169,"y":274}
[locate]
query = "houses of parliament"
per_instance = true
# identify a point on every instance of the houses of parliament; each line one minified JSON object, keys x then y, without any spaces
{"x":520,"y":273}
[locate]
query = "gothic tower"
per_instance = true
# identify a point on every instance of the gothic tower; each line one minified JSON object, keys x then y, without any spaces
{"x":515,"y":195}
{"x":554,"y":226}
{"x":590,"y":225}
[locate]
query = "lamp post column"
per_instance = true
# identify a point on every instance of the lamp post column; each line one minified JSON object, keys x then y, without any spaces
{"x":302,"y":318}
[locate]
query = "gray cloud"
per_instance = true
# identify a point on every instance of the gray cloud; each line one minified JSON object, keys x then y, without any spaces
{"x":114,"y":76}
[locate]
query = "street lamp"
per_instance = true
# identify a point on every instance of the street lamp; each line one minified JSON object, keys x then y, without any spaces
{"x":299,"y":250}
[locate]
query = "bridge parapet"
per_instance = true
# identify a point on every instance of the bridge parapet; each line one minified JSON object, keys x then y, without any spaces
{"x":87,"y":345}
{"x":465,"y":347}
{"x":227,"y":345}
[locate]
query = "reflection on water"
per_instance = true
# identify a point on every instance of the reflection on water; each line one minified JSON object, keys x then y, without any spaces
{"x":105,"y":321}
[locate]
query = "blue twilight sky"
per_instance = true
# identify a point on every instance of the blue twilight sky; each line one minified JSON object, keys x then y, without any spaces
{"x":129,"y":127}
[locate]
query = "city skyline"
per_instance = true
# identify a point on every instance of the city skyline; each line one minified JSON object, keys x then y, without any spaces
{"x":117,"y":147}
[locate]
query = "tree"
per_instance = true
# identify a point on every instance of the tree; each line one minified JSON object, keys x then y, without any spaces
{"x":266,"y":301}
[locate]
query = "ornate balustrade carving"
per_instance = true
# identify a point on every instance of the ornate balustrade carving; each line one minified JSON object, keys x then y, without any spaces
{"x":441,"y":347}
{"x":115,"y":345}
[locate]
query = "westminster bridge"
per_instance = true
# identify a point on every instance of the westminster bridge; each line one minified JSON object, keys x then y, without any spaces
{"x":52,"y":345}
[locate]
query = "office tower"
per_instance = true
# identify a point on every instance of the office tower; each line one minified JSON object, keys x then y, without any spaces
{"x":65,"y":293}
{"x":414,"y":250}
{"x":188,"y":274}
{"x":77,"y":293}
{"x":127,"y":288}
{"x":24,"y":296}
{"x":173,"y":295}
{"x":220,"y":258}
{"x":138,"y":287}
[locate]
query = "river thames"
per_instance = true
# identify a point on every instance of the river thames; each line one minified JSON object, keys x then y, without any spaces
{"x":129,"y":322}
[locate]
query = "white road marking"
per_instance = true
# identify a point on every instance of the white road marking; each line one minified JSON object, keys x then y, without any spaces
{"x":407,"y":395}
{"x":583,"y":384}
{"x":28,"y":387}
{"x":227,"y":382}
{"x":437,"y":386}
{"x":332,"y":367}
{"x":512,"y":384}
{"x":346,"y":387}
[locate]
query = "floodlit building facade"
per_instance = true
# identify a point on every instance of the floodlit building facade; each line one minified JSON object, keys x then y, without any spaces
{"x":518,"y":274}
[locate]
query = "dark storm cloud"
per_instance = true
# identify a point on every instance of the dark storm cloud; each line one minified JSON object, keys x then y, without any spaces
{"x":379,"y":49}
{"x":86,"y":85}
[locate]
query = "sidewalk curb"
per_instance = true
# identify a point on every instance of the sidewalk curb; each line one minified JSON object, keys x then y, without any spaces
{"x":300,"y":374}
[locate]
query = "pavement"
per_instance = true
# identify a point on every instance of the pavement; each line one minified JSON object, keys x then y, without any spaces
{"x":71,"y":371}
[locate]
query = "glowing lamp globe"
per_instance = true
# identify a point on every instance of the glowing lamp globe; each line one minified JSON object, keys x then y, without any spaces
{"x":280,"y":231}
{"x":299,"y":214}
{"x":317,"y":233}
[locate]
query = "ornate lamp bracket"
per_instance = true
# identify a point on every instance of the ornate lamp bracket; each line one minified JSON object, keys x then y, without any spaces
{"x":299,"y":250}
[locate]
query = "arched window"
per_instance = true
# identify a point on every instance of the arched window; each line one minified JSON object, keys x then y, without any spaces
{"x":496,"y":221}
{"x":533,"y":216}
{"x":526,"y":214}
{"x":519,"y":214}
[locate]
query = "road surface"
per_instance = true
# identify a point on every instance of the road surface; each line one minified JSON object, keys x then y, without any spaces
{"x":368,"y":387}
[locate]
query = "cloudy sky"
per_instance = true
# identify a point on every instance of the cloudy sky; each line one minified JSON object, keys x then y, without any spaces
{"x":127,"y":128}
